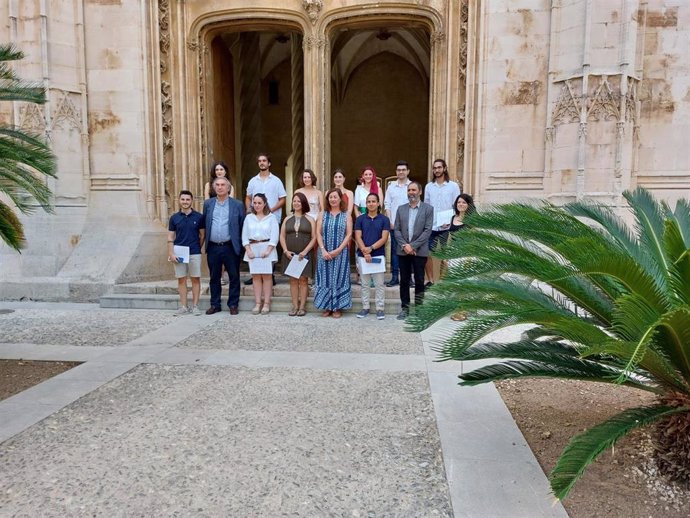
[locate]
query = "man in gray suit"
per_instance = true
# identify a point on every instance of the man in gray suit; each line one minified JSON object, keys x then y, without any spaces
{"x":224,"y":217}
{"x":413,"y":223}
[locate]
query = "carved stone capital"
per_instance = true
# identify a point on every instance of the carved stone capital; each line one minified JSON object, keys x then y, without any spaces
{"x":313,"y":8}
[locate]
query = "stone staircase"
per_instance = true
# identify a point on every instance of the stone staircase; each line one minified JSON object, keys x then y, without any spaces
{"x":163,"y":295}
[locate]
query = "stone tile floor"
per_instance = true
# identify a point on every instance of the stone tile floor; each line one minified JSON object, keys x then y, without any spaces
{"x":189,"y":416}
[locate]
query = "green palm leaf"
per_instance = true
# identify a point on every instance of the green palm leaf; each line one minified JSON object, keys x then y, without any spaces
{"x":25,"y":160}
{"x":587,"y":446}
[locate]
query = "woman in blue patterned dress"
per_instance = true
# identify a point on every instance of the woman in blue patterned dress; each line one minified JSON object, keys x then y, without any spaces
{"x":333,"y":292}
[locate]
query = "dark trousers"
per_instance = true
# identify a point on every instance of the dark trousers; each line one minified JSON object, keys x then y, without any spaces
{"x":411,"y":265}
{"x":395,"y":268}
{"x":218,"y":256}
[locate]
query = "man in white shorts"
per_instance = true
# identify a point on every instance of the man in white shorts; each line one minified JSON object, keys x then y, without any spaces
{"x":186,"y":229}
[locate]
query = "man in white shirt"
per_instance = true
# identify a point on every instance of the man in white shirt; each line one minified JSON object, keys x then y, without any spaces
{"x":396,"y":195}
{"x":440,"y":194}
{"x":270,"y":185}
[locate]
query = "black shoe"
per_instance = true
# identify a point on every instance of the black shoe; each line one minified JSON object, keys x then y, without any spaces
{"x":404,"y":312}
{"x":428,"y":285}
{"x":392,"y":282}
{"x":249,"y":282}
{"x":212,"y":310}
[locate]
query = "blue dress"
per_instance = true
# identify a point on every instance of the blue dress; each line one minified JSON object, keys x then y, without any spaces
{"x":333,"y":291}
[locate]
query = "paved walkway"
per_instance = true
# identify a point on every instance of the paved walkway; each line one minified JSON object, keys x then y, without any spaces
{"x":252,"y":416}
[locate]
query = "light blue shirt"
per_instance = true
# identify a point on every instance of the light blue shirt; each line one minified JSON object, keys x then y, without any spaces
{"x":220,"y":228}
{"x":411,"y":218}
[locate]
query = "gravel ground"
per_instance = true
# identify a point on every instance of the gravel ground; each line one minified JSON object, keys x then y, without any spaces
{"x":101,"y":327}
{"x":217,"y":441}
{"x":277,"y":332}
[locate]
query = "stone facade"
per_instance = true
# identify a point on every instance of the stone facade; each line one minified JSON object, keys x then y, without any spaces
{"x":562,"y":99}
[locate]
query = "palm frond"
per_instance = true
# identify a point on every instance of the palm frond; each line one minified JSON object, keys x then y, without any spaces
{"x":11,"y":230}
{"x":678,"y":254}
{"x":11,"y":87}
{"x":584,"y":448}
{"x":682,"y":216}
{"x":649,"y":222}
{"x":563,"y":367}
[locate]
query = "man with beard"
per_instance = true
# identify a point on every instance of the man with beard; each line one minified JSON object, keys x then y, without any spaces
{"x":396,"y":195}
{"x":440,"y":194}
{"x":412,"y":230}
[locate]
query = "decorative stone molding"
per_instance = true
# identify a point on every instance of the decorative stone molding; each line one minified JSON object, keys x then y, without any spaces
{"x":604,"y":104}
{"x":31,"y":118}
{"x":464,"y":19}
{"x":313,"y":8}
{"x":567,"y":107}
{"x":65,"y":112}
{"x":166,"y":95}
{"x":115,"y":183}
{"x":311,"y":42}
{"x":437,"y":37}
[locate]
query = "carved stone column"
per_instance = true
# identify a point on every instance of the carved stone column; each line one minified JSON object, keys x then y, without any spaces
{"x":250,"y":101}
{"x":297,"y":78}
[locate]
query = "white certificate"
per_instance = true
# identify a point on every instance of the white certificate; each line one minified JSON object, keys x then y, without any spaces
{"x":296,"y":266}
{"x":259,"y":265}
{"x":442,"y":217}
{"x":182,"y":253}
{"x":377,"y":265}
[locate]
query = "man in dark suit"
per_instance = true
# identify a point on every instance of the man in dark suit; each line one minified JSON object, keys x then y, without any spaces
{"x":224,"y":217}
{"x":413,"y":223}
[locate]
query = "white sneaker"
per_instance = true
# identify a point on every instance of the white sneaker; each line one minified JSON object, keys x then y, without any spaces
{"x":196,"y":311}
{"x":183,"y":310}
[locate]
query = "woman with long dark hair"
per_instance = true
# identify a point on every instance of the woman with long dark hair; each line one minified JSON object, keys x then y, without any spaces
{"x":298,"y":237}
{"x":218,"y":169}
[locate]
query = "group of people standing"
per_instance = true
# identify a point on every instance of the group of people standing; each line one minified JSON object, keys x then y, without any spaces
{"x":315,"y":239}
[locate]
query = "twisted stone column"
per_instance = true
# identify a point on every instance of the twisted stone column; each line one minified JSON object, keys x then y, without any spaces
{"x":250,"y":102}
{"x":297,"y":109}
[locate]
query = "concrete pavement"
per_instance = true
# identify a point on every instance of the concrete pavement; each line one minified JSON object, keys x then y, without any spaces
{"x":252,"y":416}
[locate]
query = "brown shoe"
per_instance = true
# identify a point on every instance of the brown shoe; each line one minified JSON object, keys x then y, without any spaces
{"x":212,"y":310}
{"x":234,"y":310}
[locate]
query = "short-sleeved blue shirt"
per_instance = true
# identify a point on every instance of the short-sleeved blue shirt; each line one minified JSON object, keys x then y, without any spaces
{"x":186,"y":228}
{"x":372,"y":230}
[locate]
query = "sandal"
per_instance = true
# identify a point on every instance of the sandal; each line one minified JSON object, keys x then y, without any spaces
{"x":256,"y":309}
{"x":266,"y":309}
{"x":301,"y":312}
{"x":293,"y":312}
{"x":326,"y":313}
{"x":337,"y":314}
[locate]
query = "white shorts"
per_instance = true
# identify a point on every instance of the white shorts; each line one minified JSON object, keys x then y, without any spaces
{"x":193,"y":268}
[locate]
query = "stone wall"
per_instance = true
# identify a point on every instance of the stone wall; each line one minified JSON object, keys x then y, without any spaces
{"x":562,"y":99}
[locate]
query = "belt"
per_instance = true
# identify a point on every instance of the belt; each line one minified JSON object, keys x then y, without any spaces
{"x":259,"y":240}
{"x":221,"y":243}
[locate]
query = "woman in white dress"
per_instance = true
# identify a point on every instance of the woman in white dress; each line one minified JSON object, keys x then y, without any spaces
{"x":307,"y":186}
{"x":260,"y":234}
{"x":368,"y":184}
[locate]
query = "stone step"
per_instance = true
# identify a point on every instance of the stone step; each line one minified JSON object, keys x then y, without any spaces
{"x":281,"y":289}
{"x":170,"y":301}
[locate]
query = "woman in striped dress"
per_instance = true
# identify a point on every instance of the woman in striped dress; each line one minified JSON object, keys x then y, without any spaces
{"x":333,"y":292}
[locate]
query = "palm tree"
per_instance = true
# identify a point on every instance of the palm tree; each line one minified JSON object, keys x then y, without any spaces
{"x":24,"y":159}
{"x":606,"y":302}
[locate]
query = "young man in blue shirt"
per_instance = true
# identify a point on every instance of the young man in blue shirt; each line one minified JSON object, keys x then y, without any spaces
{"x":371,"y":234}
{"x":186,"y":228}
